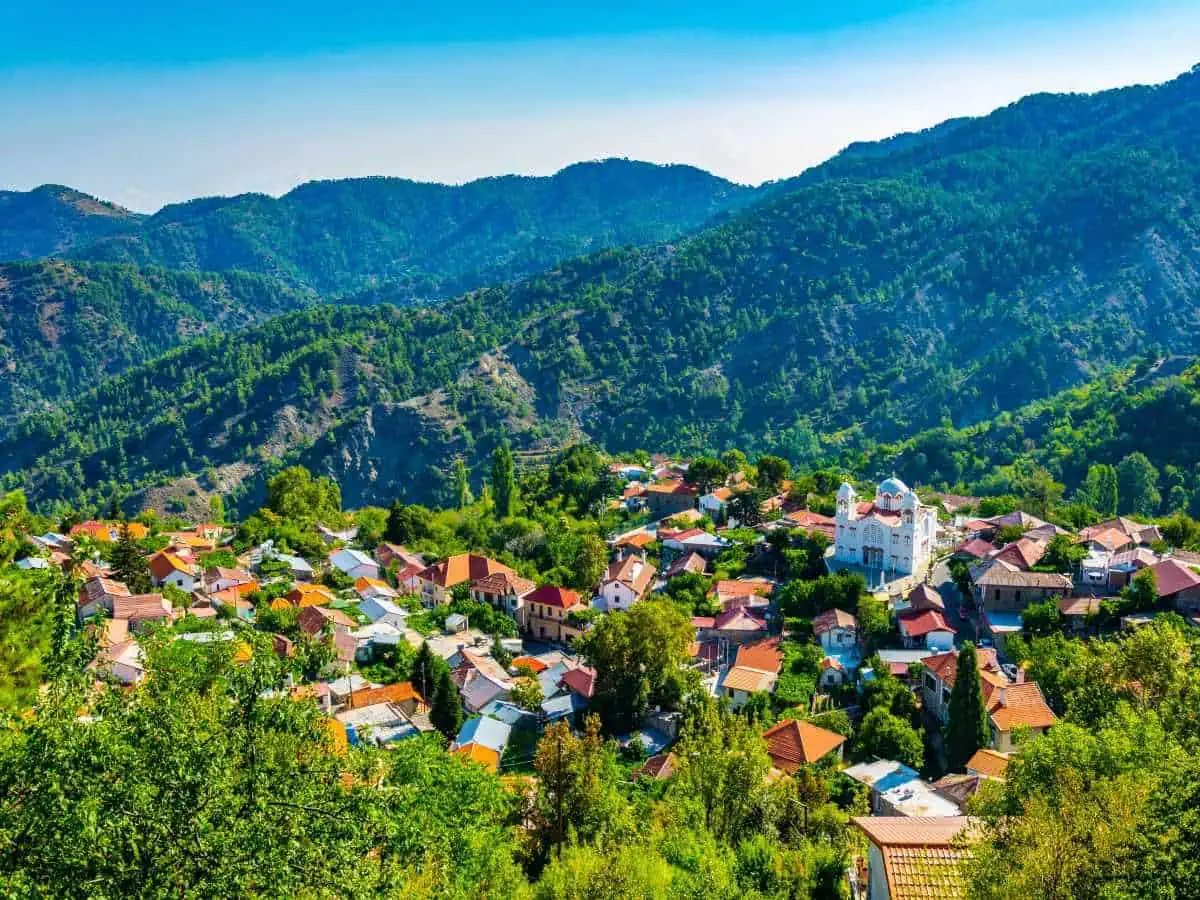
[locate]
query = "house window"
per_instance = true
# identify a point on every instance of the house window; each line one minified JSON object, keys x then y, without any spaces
{"x":930,"y":683}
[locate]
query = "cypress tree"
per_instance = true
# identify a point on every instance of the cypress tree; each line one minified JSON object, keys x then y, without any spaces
{"x":967,"y":729}
{"x":504,"y":481}
{"x":128,"y":564}
{"x":424,"y":673}
{"x":446,"y":713}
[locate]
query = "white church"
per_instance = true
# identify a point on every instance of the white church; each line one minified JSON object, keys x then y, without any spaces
{"x":895,"y":534}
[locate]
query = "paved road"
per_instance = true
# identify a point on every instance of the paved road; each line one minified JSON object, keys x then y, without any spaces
{"x":944,"y":585}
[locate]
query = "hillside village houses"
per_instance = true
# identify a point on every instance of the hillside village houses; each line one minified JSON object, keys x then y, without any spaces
{"x":744,"y":646}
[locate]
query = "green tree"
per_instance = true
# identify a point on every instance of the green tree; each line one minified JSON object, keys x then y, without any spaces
{"x":528,"y":695}
{"x":216,"y":509}
{"x":461,"y":483}
{"x":1042,"y":618}
{"x":638,"y":657}
{"x":295,"y":494}
{"x":967,"y":728}
{"x":1062,"y":554}
{"x":1137,"y":481}
{"x":408,"y":524}
{"x":591,"y":561}
{"x":773,"y":471}
{"x":128,"y":563}
{"x":1142,"y":593}
{"x":445,"y":710}
{"x":499,"y":653}
{"x":887,"y":736}
{"x":706,"y":473}
{"x":504,"y":481}
{"x":1099,"y":489}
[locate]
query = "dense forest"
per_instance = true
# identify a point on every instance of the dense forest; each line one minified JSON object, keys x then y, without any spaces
{"x":418,"y":240}
{"x":934,"y":281}
{"x":65,"y":326}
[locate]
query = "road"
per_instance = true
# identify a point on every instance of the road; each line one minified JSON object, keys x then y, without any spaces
{"x":944,"y":585}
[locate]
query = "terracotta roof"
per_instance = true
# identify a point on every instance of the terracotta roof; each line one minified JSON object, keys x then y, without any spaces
{"x":314,"y":618}
{"x":139,"y":607}
{"x":988,"y":762}
{"x":580,"y":680}
{"x":831,"y":619}
{"x":220,"y":573}
{"x":1140,"y":557}
{"x":925,"y":597}
{"x":765,"y":655}
{"x":671,"y":487}
{"x":792,"y":744}
{"x":531,"y":661}
{"x":97,"y":588}
{"x":959,"y":789}
{"x":660,"y":767}
{"x":738,"y":619}
{"x":729,"y":592}
{"x":922,"y":622}
{"x":668,"y":534}
{"x":309,"y":595}
{"x":461,"y":567}
{"x":639,"y":540}
{"x":1110,"y":539}
{"x":1079,"y":606}
{"x":97,"y":530}
{"x":741,"y":678}
{"x":632,"y":572}
{"x":1172,"y":577}
{"x":945,"y":666}
{"x":1023,"y":553}
{"x":389,"y":693}
{"x":163,"y":564}
{"x":364,"y":582}
{"x":920,"y":858}
{"x":999,"y":576}
{"x":550,"y":595}
{"x":503,"y":583}
{"x":477,"y":753}
{"x":690,"y":562}
{"x":806,"y":518}
{"x":1020,"y":704}
{"x":976,"y":547}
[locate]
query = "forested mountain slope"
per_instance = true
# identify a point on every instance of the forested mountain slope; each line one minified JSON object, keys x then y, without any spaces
{"x":1034,"y":249}
{"x":66,"y":325}
{"x":421,"y":240}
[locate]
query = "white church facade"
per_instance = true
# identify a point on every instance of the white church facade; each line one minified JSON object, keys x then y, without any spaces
{"x":895,"y":534}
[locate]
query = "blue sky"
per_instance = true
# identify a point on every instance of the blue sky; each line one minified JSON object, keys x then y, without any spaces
{"x":149,"y":103}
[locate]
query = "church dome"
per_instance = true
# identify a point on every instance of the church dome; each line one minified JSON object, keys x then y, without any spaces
{"x":893,"y":485}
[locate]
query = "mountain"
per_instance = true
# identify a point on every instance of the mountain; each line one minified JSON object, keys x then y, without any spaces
{"x":935,"y":279}
{"x":418,"y":239}
{"x":65,"y":325}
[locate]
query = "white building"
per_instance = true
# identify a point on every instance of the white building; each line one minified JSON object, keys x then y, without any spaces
{"x":354,"y":563}
{"x":895,"y":534}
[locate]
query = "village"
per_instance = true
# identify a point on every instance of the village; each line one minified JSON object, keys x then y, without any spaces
{"x":804,"y":603}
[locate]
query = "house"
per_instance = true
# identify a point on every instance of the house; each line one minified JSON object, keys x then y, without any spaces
{"x":504,"y":591}
{"x":925,"y":628}
{"x":382,"y":611}
{"x":667,"y":498}
{"x":693,"y":540}
{"x":975,"y":548}
{"x":921,"y":598}
{"x":218,"y":578}
{"x":1124,"y":565}
{"x":738,"y":625}
{"x":379,"y":724}
{"x":1138,"y":535}
{"x":354,"y":563}
{"x":167,"y":568}
{"x":755,"y":592}
{"x":1021,"y":554}
{"x":692,"y":563}
{"x":303,"y":595}
{"x":988,"y":763}
{"x":580,"y":681}
{"x":625,"y":583}
{"x":454,"y":623}
{"x":1178,"y":585}
{"x":807,"y":520}
{"x":837,"y":631}
{"x":547,"y":611}
{"x":898,"y":790}
{"x":896,"y":533}
{"x":480,"y":679}
{"x":298,"y":568}
{"x":715,"y":504}
{"x":660,"y":767}
{"x":915,"y":858}
{"x":314,"y":620}
{"x":100,"y":532}
{"x":1003,"y":588}
{"x":438,"y":580}
{"x":792,"y":744}
{"x":137,"y":609}
{"x":1010,"y":705}
{"x":755,"y":670}
{"x":403,"y":694}
{"x":386,"y":554}
{"x":98,"y":593}
{"x":482,"y":740}
{"x":122,"y":661}
{"x":373,"y":588}
{"x":1079,"y":611}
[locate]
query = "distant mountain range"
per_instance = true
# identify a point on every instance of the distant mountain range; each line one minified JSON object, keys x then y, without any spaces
{"x":416,"y":239}
{"x":933,"y":280}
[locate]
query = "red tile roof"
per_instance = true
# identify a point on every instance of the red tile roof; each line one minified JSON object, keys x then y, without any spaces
{"x":632,"y":572}
{"x":690,"y":562}
{"x":792,"y":744}
{"x":925,"y":597}
{"x":549,"y":595}
{"x":1172,"y":577}
{"x":988,"y":762}
{"x":921,"y":859}
{"x":1023,"y":553}
{"x":500,"y":584}
{"x":671,"y":487}
{"x":976,"y":547}
{"x":141,"y":607}
{"x":1020,"y":704}
{"x":765,"y":655}
{"x":922,"y":622}
{"x":461,"y":567}
{"x":831,"y":619}
{"x":661,"y":766}
{"x":581,"y":680}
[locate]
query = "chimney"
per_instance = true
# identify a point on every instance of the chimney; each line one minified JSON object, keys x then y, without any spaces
{"x":1020,"y":675}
